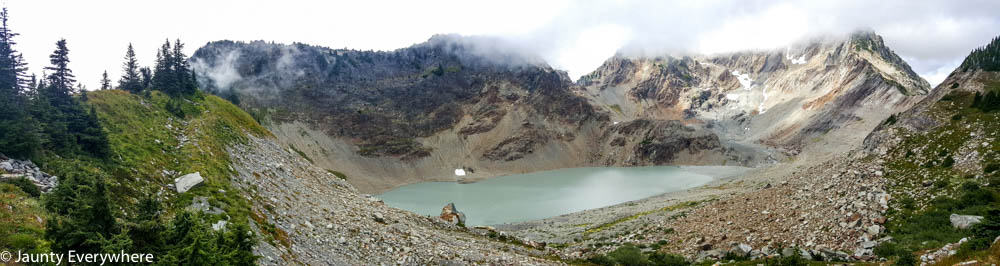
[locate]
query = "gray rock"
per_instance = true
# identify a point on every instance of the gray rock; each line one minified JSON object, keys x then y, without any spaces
{"x":221,"y":224}
{"x":787,"y":252}
{"x":184,"y":183}
{"x":6,"y":166}
{"x":744,"y":248}
{"x":964,"y":221}
{"x":874,"y":229}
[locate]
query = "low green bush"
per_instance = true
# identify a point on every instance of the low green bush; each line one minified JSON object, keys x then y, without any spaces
{"x":25,"y":185}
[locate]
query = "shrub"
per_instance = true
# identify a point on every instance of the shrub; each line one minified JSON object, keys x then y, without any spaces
{"x":907,"y":260}
{"x":338,"y":174}
{"x":667,"y":259}
{"x":985,"y":232}
{"x":908,"y":203}
{"x":628,"y":255}
{"x":991,"y":168}
{"x":941,"y":183}
{"x":25,"y":185}
{"x":948,"y":162}
{"x":891,"y":120}
{"x":890,"y":250}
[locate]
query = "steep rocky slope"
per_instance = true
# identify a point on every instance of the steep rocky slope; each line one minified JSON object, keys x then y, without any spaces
{"x":320,"y":219}
{"x":822,"y":93}
{"x":418,"y":113}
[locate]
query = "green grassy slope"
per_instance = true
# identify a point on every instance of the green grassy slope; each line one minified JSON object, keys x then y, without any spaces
{"x":146,"y":139}
{"x":949,"y":169}
{"x":153,"y":139}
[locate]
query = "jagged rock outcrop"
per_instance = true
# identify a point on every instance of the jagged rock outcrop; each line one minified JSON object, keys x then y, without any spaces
{"x":829,"y":89}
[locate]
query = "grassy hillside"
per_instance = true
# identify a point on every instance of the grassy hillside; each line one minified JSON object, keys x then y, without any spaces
{"x":949,"y":169}
{"x":154,"y":138}
{"x":148,"y":138}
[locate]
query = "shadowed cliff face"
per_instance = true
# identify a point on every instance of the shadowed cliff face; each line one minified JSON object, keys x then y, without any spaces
{"x":824,"y":93}
{"x":385,"y":99}
{"x":417,"y":113}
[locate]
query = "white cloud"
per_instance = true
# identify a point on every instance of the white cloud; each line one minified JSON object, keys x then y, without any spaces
{"x":572,"y":35}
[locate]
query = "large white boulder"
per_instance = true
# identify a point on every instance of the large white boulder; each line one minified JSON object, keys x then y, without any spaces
{"x":964,"y":221}
{"x":186,"y":182}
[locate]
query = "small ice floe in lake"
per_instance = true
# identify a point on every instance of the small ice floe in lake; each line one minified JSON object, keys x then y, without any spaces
{"x":460,"y":172}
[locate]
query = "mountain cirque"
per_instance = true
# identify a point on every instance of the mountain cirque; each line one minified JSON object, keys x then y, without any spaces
{"x":415,"y":114}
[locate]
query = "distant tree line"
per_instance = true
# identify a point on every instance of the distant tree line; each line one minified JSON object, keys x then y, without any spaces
{"x":986,"y":58}
{"x":171,"y":74}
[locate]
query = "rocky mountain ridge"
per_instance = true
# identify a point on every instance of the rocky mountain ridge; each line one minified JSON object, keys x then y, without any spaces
{"x":823,"y":91}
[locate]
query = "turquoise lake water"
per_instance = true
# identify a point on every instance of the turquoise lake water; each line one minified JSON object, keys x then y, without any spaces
{"x":524,"y":197}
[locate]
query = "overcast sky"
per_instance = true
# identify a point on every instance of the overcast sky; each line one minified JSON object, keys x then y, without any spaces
{"x":576,"y":36}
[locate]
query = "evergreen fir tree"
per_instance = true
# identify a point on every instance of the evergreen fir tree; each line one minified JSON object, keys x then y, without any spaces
{"x":17,"y":129}
{"x":131,"y":80}
{"x":163,"y":70}
{"x":83,"y":215}
{"x":183,"y":78}
{"x":145,"y":78}
{"x":61,"y":79}
{"x":105,"y":82}
{"x":69,"y":128}
{"x":146,"y":229}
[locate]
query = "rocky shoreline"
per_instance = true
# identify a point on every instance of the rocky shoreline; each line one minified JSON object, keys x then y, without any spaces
{"x":817,"y":209}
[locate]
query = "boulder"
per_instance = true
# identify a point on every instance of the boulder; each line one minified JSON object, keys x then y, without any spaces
{"x":6,"y":166}
{"x":744,"y":249}
{"x":220,"y":225}
{"x":184,"y":183}
{"x":451,"y":215}
{"x":964,"y":221}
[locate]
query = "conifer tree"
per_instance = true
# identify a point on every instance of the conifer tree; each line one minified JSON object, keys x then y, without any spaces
{"x":17,"y":129}
{"x":183,"y":78}
{"x":162,"y":71}
{"x":131,"y":80}
{"x":61,"y":79}
{"x":105,"y":82}
{"x":83,"y":215}
{"x":69,"y":128}
{"x":145,"y":77}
